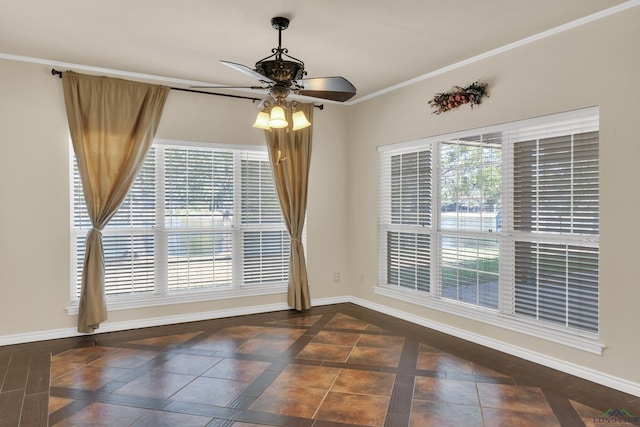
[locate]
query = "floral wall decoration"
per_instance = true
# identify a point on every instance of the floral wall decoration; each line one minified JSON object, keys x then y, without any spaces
{"x":458,"y":96}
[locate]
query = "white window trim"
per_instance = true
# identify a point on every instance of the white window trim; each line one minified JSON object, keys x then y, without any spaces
{"x":549,"y":332}
{"x":582,"y":340}
{"x":115,"y":303}
{"x":161,"y":296}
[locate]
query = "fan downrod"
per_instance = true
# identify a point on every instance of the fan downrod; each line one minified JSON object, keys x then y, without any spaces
{"x":280,"y":23}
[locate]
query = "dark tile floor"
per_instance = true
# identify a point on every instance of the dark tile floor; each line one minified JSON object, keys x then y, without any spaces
{"x":333,"y":366}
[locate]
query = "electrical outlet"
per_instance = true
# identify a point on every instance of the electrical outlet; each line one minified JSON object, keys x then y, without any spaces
{"x":336,"y":277}
{"x":361,"y":278}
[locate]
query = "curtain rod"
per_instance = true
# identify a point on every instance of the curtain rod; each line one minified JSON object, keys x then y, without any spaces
{"x":55,"y":72}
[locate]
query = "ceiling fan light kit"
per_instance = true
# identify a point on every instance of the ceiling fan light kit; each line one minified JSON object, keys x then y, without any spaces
{"x":262,"y":121}
{"x":300,"y":121}
{"x":277,"y":119}
{"x":282,"y":74}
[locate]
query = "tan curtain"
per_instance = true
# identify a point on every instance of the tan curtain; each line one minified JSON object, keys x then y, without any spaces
{"x":112,"y":124}
{"x":290,"y":155}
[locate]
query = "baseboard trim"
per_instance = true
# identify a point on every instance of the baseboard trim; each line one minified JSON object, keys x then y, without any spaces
{"x":159,"y":321}
{"x":532,"y":356}
{"x":551,"y":362}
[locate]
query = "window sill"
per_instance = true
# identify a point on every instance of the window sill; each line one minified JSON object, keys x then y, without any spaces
{"x":585,"y":342}
{"x":153,"y":300}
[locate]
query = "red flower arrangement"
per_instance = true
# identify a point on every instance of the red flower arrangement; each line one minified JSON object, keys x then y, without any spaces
{"x":471,"y":94}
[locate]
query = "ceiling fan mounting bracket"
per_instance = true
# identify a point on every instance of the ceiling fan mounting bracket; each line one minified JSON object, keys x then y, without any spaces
{"x":279,"y":23}
{"x":274,"y":66}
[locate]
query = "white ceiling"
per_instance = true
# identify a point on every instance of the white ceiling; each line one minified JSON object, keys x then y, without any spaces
{"x":375,"y":44}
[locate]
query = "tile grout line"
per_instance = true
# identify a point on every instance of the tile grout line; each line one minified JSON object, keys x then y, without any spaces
{"x":523,"y":375}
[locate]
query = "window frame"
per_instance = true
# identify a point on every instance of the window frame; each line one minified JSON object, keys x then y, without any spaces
{"x":161,"y":294}
{"x":503,"y":316}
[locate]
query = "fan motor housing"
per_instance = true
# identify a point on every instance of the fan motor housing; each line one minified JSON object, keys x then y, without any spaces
{"x":281,"y":71}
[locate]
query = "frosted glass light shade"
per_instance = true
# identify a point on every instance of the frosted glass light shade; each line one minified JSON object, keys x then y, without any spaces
{"x":277,"y":119}
{"x":262,"y":121}
{"x":300,"y":121}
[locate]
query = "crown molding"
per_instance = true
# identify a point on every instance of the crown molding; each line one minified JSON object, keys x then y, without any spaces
{"x":177,"y":81}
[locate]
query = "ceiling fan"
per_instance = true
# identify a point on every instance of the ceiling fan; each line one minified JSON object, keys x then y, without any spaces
{"x":282,"y":74}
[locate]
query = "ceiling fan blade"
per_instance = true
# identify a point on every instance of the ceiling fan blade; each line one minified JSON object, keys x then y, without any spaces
{"x":248,"y":71}
{"x":331,"y":88}
{"x":231,"y":87}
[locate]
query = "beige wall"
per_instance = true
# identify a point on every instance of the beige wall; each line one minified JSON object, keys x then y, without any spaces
{"x":596,"y":64}
{"x":34,"y":197}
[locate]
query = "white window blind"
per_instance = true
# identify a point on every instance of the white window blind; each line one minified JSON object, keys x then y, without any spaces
{"x":405,"y":219}
{"x":265,"y":250}
{"x":411,"y":188}
{"x":556,"y":215}
{"x":557,"y":283}
{"x":408,"y":260}
{"x":515,"y":227}
{"x":197,"y":218}
{"x":469,"y":270}
{"x":128,"y":238}
{"x":470,"y":196}
{"x":266,"y":256}
{"x":198,"y":196}
{"x":556,"y":184}
{"x":260,"y":204}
